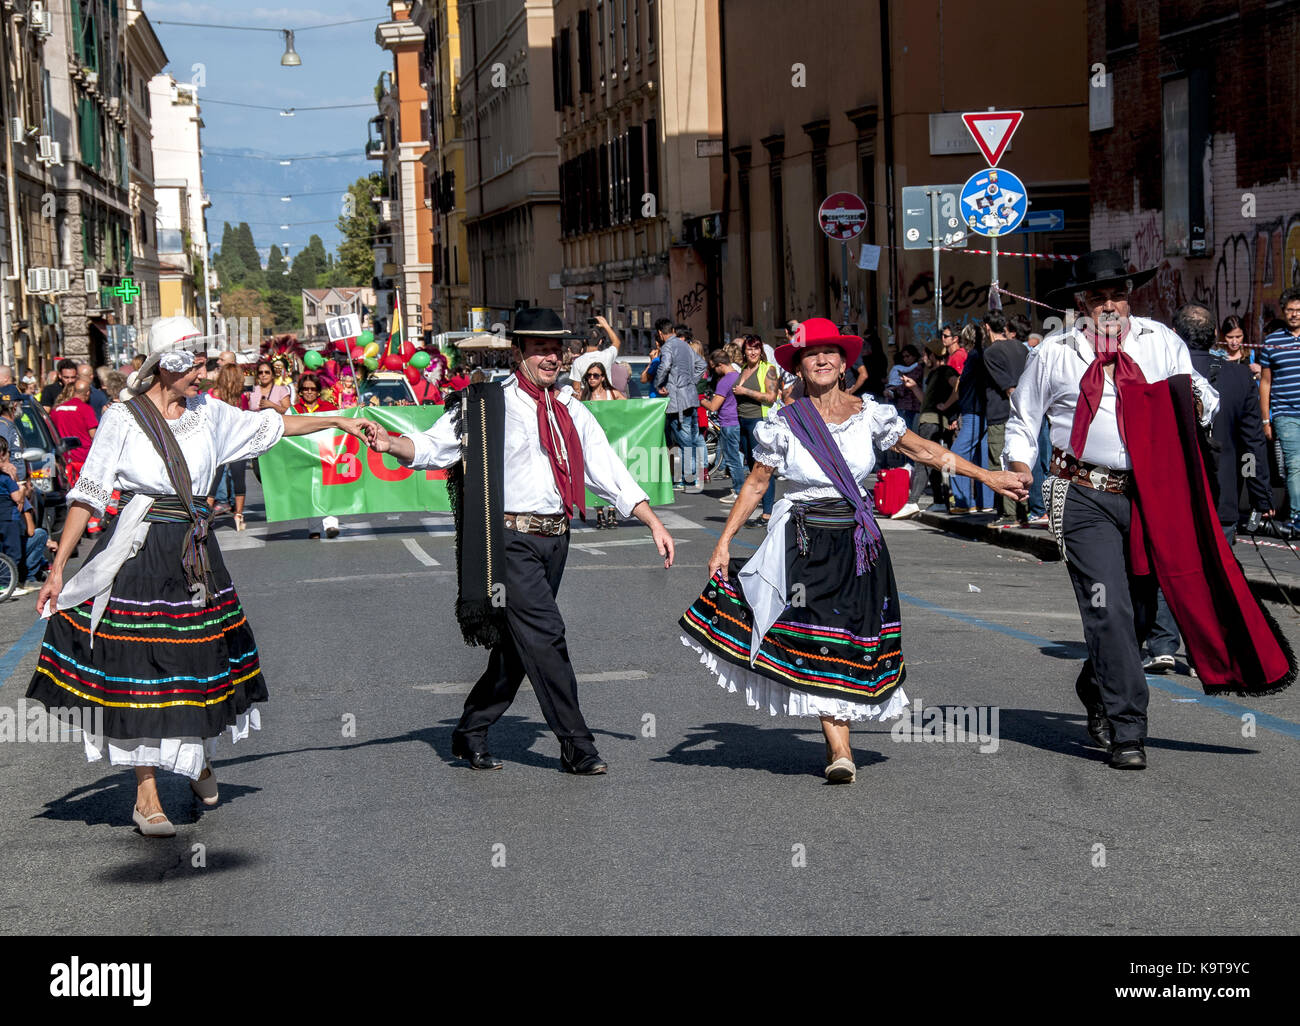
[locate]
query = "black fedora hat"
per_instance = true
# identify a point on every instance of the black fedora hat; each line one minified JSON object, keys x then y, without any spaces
{"x":1095,"y":270}
{"x":538,"y":322}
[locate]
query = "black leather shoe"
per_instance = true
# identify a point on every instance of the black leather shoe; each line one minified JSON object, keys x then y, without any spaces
{"x":1099,"y":728}
{"x":482,"y":760}
{"x":1128,"y":755}
{"x":582,"y":763}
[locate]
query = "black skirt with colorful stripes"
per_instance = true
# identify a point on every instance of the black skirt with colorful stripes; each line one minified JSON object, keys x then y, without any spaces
{"x":840,"y":636}
{"x":161,"y":667}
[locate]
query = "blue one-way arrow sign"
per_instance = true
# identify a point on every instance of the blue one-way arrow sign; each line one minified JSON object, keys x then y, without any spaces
{"x":1042,"y":221}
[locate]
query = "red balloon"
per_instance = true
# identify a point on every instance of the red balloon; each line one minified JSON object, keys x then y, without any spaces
{"x":391,"y":362}
{"x":406,"y":350}
{"x":358,"y":354}
{"x":332,"y":366}
{"x":412,"y":375}
{"x":344,"y":344}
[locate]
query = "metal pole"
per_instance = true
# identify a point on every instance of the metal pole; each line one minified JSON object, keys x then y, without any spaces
{"x":934,"y":245}
{"x":995,"y":284}
{"x":207,"y":291}
{"x":844,"y":284}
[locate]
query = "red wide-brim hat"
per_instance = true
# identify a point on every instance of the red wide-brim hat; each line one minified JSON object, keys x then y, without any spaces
{"x":817,"y":331}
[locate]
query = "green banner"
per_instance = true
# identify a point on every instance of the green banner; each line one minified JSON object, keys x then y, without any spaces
{"x":332,"y":473}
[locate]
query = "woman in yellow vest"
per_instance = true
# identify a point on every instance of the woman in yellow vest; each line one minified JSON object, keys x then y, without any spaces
{"x":755,"y":393}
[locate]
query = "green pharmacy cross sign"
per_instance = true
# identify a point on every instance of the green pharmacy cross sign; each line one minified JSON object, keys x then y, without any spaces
{"x":127,"y":291}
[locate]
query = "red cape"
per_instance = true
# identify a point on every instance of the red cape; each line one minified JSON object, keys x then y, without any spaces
{"x":1232,"y":641}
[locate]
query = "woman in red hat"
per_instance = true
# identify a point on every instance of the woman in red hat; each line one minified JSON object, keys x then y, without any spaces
{"x":810,"y":625}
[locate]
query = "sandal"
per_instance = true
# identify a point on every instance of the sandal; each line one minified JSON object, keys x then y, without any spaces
{"x":156,"y":825}
{"x":239,"y":521}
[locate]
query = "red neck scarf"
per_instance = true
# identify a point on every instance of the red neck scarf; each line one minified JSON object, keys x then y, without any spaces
{"x":562,"y":444}
{"x":1127,"y":375}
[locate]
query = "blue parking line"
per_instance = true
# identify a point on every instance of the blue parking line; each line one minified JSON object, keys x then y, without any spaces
{"x":1223,"y":705}
{"x":26,"y":643}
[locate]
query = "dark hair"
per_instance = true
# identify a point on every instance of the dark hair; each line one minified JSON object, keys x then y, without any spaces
{"x":72,"y":364}
{"x":1194,"y":324}
{"x":263,"y":363}
{"x":604,"y":378}
{"x":663,"y":324}
{"x":306,"y":378}
{"x":1020,"y":326}
{"x":1289,"y":296}
{"x":1232,"y":323}
{"x":4,"y":447}
{"x":907,"y":354}
{"x":995,"y":322}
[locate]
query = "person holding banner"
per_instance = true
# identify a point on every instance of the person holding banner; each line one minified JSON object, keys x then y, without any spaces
{"x":813,"y":629}
{"x":149,"y":636}
{"x":527,"y":456}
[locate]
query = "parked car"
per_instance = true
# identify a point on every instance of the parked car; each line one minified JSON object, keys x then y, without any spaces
{"x":387,"y":388}
{"x":636,"y":366}
{"x":45,"y":453}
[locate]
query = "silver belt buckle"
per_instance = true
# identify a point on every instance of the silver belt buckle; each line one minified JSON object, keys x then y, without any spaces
{"x":524,"y":522}
{"x":1098,"y":479}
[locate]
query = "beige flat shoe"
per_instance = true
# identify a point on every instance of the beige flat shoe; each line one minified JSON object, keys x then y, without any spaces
{"x":239,"y":521}
{"x":841,"y":771}
{"x":157,"y":825}
{"x":205,"y":788}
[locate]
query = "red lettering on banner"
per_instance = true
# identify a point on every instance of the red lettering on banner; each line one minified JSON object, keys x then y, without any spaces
{"x":436,"y":475}
{"x":340,"y":467}
{"x":375,"y":461}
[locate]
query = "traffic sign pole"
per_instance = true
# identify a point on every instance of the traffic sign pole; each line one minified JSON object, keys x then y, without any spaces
{"x":994,"y":304}
{"x":844,"y":285}
{"x":934,"y":247}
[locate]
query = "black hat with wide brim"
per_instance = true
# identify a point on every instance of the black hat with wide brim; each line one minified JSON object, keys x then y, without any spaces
{"x":1096,"y":270}
{"x":538,"y":322}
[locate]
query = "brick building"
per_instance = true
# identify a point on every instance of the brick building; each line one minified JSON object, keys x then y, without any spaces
{"x":1196,"y":149}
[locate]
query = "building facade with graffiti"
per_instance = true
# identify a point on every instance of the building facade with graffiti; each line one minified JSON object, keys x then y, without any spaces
{"x":1204,"y":133}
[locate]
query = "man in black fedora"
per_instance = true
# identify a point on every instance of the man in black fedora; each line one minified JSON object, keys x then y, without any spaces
{"x":522,"y":456}
{"x":1078,"y":378}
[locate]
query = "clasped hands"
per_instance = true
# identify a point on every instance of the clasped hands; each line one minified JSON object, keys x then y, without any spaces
{"x":374,"y":435}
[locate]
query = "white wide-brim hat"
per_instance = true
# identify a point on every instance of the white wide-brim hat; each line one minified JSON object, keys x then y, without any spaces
{"x":168,"y":336}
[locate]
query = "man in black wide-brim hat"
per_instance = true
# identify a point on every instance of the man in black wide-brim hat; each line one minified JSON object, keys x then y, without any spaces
{"x":1129,"y":504}
{"x":522,"y":456}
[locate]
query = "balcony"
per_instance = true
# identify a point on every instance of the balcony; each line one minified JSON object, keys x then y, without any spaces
{"x":375,"y":149}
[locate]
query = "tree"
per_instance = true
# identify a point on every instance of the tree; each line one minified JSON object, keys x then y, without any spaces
{"x":356,"y":256}
{"x":230,"y":268}
{"x":286,"y":308}
{"x":308,"y":264}
{"x":247,"y":303}
{"x":246,"y":247}
{"x":277,"y":271}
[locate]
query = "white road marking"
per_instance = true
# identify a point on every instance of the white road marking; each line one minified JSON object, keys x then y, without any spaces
{"x":361,"y":531}
{"x":231,"y":540}
{"x":676,"y":522}
{"x":462,"y":687}
{"x":439,"y":525}
{"x":414,"y":547}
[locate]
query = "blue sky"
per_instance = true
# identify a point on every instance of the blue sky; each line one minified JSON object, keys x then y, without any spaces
{"x":339,"y":65}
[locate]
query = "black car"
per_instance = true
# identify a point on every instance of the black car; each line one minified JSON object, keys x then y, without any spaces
{"x":46,"y":457}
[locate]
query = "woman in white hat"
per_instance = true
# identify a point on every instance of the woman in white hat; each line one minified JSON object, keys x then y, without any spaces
{"x":149,"y":641}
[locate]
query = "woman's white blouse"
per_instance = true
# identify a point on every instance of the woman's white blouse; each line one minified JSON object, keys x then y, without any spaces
{"x":875,"y":426}
{"x":210,"y":433}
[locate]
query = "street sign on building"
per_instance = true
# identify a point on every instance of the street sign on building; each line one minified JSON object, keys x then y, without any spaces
{"x":842,"y":216}
{"x":994,"y":202}
{"x":992,"y":131}
{"x":1043,"y":221}
{"x":916,"y":216}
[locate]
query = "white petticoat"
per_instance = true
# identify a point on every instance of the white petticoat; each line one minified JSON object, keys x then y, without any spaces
{"x":183,"y":755}
{"x":764,"y":693}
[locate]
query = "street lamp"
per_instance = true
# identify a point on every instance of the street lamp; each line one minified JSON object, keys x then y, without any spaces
{"x":290,"y":58}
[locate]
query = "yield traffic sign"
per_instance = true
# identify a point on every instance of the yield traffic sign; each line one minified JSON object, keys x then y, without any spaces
{"x":992,"y":131}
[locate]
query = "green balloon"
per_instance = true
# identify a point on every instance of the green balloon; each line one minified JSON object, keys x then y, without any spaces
{"x":365,"y":338}
{"x":420,"y":359}
{"x":313,"y":360}
{"x":372,"y":363}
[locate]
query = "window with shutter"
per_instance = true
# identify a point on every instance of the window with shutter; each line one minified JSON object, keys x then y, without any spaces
{"x":584,"y":51}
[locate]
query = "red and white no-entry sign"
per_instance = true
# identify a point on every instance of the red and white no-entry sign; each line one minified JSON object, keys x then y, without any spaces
{"x":842,"y":216}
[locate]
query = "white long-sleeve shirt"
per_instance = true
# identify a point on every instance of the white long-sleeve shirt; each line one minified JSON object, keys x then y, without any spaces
{"x":1050,"y":385}
{"x":528,"y":480}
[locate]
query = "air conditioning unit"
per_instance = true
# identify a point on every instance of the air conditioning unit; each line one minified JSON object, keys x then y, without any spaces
{"x":38,"y":19}
{"x":16,"y":131}
{"x":91,"y":278}
{"x":56,"y":154}
{"x":92,"y":78}
{"x":38,"y":279}
{"x":61,"y":280}
{"x":113,"y":103}
{"x":44,"y":148}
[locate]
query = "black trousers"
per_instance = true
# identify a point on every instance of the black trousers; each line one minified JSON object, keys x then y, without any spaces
{"x":536,"y":646}
{"x":922,"y":474}
{"x":1117,"y":608}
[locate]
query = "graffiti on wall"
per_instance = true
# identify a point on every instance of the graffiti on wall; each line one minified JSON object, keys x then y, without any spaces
{"x":1245,"y":277}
